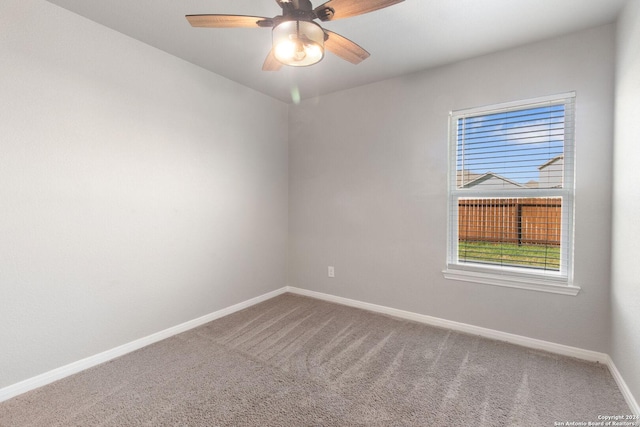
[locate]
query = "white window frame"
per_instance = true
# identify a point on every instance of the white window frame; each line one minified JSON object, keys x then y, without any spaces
{"x":560,"y":282}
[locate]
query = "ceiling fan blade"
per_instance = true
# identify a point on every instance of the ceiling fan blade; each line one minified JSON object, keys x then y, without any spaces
{"x":347,"y":8}
{"x":229,"y":21}
{"x":345,"y":48}
{"x":271,"y":63}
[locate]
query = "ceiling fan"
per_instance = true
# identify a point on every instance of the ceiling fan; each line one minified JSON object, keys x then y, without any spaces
{"x":297,"y":40}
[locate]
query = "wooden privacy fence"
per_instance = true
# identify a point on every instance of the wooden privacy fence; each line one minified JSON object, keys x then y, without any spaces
{"x":529,"y":221}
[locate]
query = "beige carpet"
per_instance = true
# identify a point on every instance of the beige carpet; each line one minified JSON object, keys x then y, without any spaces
{"x":296,"y":361}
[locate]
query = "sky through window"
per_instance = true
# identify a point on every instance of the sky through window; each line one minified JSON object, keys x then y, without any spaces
{"x":512,"y":144}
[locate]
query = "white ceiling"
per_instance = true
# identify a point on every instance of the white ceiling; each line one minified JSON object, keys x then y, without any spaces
{"x":403,"y":38}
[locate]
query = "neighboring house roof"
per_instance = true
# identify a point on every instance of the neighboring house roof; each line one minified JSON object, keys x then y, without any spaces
{"x":550,"y":162}
{"x":466,"y":176}
{"x":468,"y":179}
{"x":487,"y":176}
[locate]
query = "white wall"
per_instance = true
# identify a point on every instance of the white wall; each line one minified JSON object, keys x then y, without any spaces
{"x":625,"y":348}
{"x":137,"y":191}
{"x":368,"y":189}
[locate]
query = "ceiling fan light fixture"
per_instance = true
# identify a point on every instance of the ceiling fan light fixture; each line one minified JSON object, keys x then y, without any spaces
{"x":298,"y":43}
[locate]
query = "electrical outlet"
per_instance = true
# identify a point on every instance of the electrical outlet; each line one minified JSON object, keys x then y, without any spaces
{"x":331,"y":271}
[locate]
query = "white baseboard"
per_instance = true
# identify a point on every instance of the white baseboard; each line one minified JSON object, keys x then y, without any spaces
{"x":75,"y":367}
{"x":624,"y":389}
{"x":564,"y":350}
{"x":80,"y":365}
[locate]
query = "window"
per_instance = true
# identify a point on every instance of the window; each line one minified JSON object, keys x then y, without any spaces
{"x":511,"y":194}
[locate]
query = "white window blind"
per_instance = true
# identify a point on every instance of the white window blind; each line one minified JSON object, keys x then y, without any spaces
{"x":511,"y":189}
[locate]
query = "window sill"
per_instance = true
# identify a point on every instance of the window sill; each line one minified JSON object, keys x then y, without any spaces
{"x":539,"y":284}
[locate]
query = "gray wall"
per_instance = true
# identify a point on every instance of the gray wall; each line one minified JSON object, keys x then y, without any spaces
{"x":135,"y":197}
{"x":368,"y":190}
{"x":134,"y":194}
{"x":625,"y":308}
